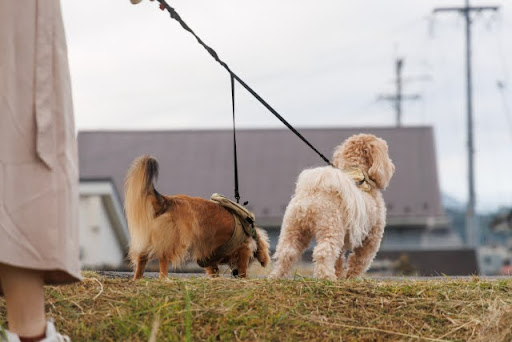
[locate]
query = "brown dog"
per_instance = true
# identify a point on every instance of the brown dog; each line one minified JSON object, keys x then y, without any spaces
{"x":176,"y":228}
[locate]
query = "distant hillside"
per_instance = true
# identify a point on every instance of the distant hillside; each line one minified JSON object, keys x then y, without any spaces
{"x":450,"y":202}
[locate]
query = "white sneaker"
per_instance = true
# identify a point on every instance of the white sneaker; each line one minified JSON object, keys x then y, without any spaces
{"x":7,"y":336}
{"x":52,"y":335}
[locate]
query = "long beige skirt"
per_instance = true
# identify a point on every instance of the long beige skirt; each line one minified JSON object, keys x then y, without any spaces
{"x":38,"y":152}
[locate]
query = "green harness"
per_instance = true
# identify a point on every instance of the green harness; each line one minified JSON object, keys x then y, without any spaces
{"x":243,"y":230}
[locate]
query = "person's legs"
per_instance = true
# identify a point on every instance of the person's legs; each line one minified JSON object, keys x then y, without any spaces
{"x":24,"y":298}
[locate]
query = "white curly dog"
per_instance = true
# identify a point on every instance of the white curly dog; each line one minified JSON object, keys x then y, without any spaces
{"x":341,"y":207}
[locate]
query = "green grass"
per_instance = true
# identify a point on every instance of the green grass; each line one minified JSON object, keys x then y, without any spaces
{"x":300,"y":309}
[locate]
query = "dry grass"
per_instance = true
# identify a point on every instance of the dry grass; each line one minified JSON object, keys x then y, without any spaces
{"x":300,"y":309}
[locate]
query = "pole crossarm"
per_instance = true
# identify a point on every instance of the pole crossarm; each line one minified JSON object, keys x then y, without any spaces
{"x":398,"y":97}
{"x":403,"y":97}
{"x":466,"y":9}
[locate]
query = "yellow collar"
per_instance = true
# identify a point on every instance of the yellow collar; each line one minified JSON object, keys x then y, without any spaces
{"x":361,"y":178}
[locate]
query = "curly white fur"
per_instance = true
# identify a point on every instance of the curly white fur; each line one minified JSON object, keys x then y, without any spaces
{"x":330,"y":207}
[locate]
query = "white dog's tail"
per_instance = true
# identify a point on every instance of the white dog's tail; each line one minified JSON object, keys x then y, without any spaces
{"x":141,"y":202}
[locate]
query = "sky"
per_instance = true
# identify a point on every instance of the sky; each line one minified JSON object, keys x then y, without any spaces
{"x":319,"y":64}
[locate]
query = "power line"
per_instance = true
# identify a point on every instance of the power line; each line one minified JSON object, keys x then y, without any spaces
{"x":506,"y":108}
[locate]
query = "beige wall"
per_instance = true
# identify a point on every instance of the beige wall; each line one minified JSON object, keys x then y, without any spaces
{"x":99,"y":247}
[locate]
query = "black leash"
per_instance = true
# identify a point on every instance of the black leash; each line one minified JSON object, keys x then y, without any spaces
{"x":235,"y":159}
{"x":174,"y":15}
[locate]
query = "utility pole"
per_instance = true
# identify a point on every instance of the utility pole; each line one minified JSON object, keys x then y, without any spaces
{"x":398,"y":97}
{"x":471,"y":239}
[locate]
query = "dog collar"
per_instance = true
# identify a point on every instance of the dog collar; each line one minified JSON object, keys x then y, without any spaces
{"x":361,"y":178}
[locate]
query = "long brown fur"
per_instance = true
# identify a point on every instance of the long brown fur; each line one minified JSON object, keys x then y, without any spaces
{"x":177,"y":228}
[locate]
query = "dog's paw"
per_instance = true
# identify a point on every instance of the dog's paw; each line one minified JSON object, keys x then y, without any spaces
{"x":326,"y":276}
{"x":275,"y":275}
{"x":352,"y":275}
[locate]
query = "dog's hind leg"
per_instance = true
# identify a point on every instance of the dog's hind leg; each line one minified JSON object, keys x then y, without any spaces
{"x":340,"y":266}
{"x":164,"y":266}
{"x":292,"y":242}
{"x":244,"y":256}
{"x":360,"y":258}
{"x":329,"y":244}
{"x":141,"y":261}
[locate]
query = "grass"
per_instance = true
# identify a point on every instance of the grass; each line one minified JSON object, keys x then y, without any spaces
{"x":300,"y":309}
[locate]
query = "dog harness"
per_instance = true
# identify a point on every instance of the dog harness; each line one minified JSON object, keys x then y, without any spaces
{"x":363,"y":181}
{"x":243,"y":230}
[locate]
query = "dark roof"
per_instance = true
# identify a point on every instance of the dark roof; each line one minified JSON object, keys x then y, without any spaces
{"x":199,"y":163}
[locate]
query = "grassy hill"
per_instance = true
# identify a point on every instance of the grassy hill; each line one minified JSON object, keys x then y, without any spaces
{"x":300,"y":309}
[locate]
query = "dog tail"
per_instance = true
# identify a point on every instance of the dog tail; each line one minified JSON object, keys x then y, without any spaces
{"x":141,"y":203}
{"x":262,"y":251}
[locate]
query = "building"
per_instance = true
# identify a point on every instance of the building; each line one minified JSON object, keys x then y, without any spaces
{"x":199,"y":163}
{"x":103,"y":235}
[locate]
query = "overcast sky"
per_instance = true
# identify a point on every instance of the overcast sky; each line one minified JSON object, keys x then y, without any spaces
{"x":320,"y":64}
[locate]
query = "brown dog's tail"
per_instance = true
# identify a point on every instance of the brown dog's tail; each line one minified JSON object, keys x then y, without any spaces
{"x":262,"y":254}
{"x":141,"y":202}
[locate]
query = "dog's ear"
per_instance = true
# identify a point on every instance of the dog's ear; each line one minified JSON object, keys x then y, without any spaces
{"x":381,"y":166}
{"x":343,"y":153}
